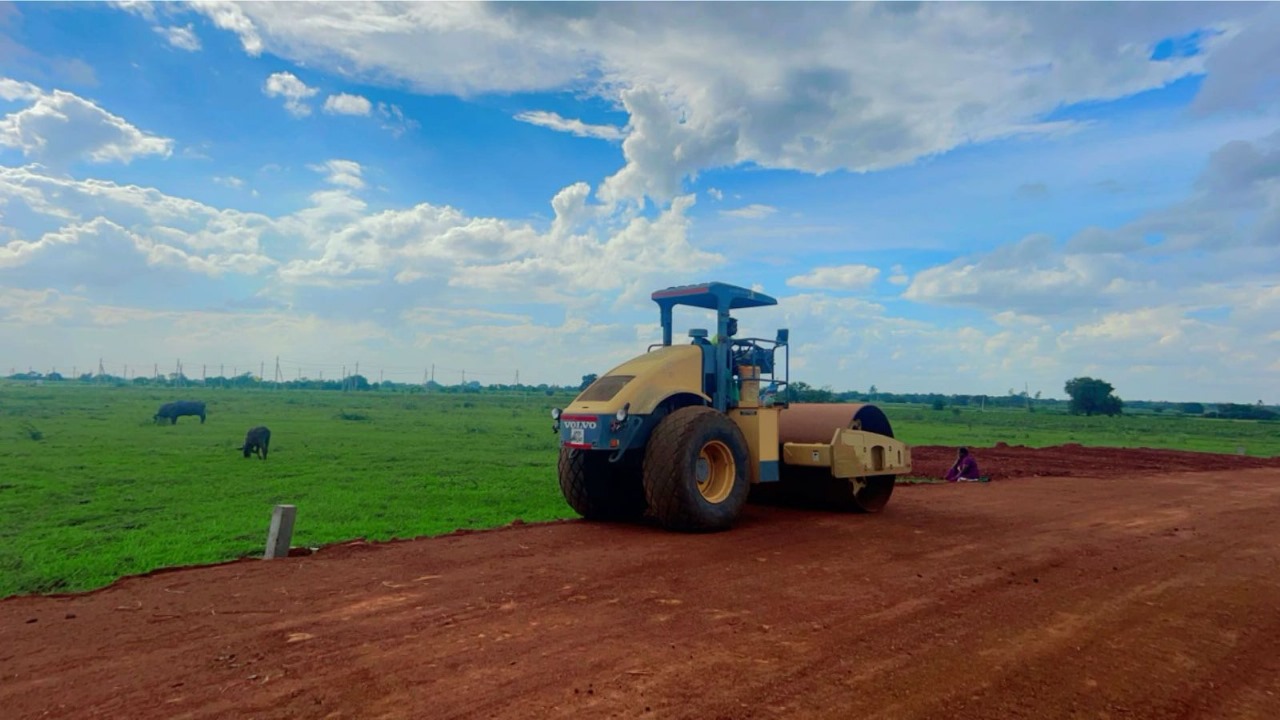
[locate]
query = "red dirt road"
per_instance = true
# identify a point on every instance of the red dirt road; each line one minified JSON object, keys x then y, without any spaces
{"x":1106,"y":595}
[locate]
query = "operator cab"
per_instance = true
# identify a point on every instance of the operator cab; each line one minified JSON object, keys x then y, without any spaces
{"x":725,"y":356}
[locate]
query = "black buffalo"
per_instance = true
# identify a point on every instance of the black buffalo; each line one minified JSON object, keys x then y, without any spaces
{"x":256,"y":441}
{"x":174,"y":410}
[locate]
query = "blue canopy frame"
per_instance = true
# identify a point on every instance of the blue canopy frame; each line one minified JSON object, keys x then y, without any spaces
{"x":721,"y":297}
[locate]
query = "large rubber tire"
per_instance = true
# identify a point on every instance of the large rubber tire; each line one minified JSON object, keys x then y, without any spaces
{"x":695,"y":471}
{"x":597,"y":489}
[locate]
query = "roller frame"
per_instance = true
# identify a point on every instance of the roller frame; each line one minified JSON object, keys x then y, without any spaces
{"x":852,"y":454}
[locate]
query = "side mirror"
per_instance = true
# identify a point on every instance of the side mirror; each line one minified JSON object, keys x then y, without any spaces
{"x":783,"y":336}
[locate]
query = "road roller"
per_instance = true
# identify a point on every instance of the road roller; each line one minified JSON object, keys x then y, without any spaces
{"x":684,"y":432}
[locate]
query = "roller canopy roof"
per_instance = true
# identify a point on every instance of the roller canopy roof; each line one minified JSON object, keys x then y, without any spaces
{"x":713,"y":296}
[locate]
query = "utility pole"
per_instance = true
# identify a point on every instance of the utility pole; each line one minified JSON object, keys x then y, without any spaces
{"x":262,"y":370}
{"x":155,"y":368}
{"x":433,"y":372}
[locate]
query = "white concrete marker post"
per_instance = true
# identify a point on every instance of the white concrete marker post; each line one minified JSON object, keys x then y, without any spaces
{"x":281,"y":533}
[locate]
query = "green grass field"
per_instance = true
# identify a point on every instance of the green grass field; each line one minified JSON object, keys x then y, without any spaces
{"x":91,"y":489}
{"x":919,"y":425}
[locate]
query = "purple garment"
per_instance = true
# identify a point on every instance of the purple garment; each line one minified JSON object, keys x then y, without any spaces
{"x":966,"y":468}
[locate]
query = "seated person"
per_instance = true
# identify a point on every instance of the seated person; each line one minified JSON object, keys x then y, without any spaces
{"x":964,"y":469}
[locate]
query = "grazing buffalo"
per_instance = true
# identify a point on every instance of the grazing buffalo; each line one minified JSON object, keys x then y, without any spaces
{"x":174,"y":410}
{"x":256,"y":441}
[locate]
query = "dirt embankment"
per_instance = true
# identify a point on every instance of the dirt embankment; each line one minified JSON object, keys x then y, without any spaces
{"x":1006,"y":462}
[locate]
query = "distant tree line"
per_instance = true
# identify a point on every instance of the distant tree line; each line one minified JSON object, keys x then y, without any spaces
{"x":802,"y":392}
{"x":351,"y":383}
{"x":1232,"y":411}
{"x":1096,"y":397}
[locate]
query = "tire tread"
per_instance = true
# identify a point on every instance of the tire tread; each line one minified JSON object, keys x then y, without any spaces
{"x":597,"y":489}
{"x":673,"y":499}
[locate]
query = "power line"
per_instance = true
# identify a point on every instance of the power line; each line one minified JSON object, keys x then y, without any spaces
{"x":346,"y":373}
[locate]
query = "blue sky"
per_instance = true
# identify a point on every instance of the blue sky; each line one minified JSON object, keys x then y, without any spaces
{"x":944,"y":197}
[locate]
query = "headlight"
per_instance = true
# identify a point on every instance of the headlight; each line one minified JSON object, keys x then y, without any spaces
{"x":555,"y":413}
{"x":622,"y":412}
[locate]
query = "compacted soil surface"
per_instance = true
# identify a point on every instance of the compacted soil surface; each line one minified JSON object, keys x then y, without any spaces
{"x":1078,"y":583}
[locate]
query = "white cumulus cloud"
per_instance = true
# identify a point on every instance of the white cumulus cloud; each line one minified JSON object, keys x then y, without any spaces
{"x":294,"y":91}
{"x":229,"y":16}
{"x":60,"y":127}
{"x":345,"y":173}
{"x":183,"y":38}
{"x":842,"y":277}
{"x":17,"y":90}
{"x":1184,"y":257}
{"x":840,"y":86}
{"x":347,"y":104}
